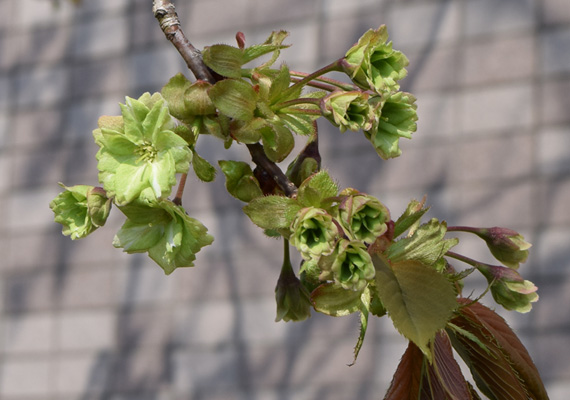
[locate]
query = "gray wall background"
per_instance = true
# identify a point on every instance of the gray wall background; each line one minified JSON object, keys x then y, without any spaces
{"x":81,"y":320}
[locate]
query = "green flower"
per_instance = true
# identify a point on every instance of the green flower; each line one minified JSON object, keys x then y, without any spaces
{"x":372,"y":64}
{"x":163,"y":230}
{"x":292,"y":298}
{"x":81,"y":209}
{"x":364,"y":217}
{"x":397,"y":119}
{"x":348,"y":110}
{"x":314,"y":233}
{"x":508,"y":288}
{"x":139,"y":152}
{"x":352,"y":267}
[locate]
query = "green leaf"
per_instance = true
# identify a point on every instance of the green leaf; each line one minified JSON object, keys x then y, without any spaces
{"x":197,"y":101}
{"x":202,"y":168}
{"x":234,"y":98}
{"x":316,"y":188}
{"x":331,"y":299}
{"x":418,"y":299}
{"x":224,"y":59}
{"x":272,"y":44}
{"x":301,"y":124}
{"x":173,"y":92}
{"x":277,"y":142}
{"x":414,"y":212}
{"x":247,"y":132}
{"x":279,"y":85}
{"x":425,"y":245}
{"x":272,"y":212}
{"x":376,"y":306}
{"x":364,"y":313}
{"x":240,"y":181}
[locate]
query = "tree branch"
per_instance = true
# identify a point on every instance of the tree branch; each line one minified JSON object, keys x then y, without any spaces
{"x":165,"y":13}
{"x":260,"y":159}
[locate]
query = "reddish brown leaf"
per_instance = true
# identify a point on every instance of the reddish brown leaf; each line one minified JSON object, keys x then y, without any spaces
{"x":445,"y":374}
{"x":416,"y":379}
{"x":510,"y":346}
{"x":503,"y":370}
{"x":407,"y":378}
{"x":473,"y":392}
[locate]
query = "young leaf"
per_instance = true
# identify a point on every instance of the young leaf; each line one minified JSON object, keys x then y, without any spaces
{"x":272,"y":44}
{"x":331,"y":299}
{"x":504,"y":370}
{"x":225,"y":60}
{"x":415,"y":378}
{"x":277,"y":141}
{"x":445,"y":372}
{"x":411,"y":216}
{"x":419,"y":300}
{"x":407,"y":379}
{"x":316,"y":188}
{"x":425,"y":245}
{"x":240,"y":181}
{"x":234,"y":98}
{"x":364,"y":314}
{"x":173,"y":93}
{"x":301,"y":124}
{"x":272,"y":212}
{"x":197,"y":101}
{"x":279,"y":85}
{"x":202,"y":168}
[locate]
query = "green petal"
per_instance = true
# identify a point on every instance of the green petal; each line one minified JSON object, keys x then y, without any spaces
{"x":137,"y":238}
{"x":129,"y":181}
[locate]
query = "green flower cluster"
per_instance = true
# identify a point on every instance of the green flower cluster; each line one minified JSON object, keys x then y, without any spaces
{"x":335,"y":240}
{"x":383,"y":112}
{"x":138,"y":159}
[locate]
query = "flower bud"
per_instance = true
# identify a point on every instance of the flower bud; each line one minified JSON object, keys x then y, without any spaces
{"x":508,"y":288}
{"x":364,"y":217}
{"x":352,"y":267}
{"x":292,"y":298}
{"x":313,"y":233}
{"x":506,"y":245}
{"x":98,"y":206}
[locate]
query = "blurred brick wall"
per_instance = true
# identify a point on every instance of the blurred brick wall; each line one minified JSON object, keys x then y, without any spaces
{"x":81,"y":320}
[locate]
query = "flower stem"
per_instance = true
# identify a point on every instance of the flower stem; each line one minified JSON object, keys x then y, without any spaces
{"x":329,"y":84}
{"x":302,"y":100}
{"x":460,"y":257}
{"x":334,"y":66}
{"x":287,"y":267}
{"x":462,"y":229}
{"x":181,"y":185}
